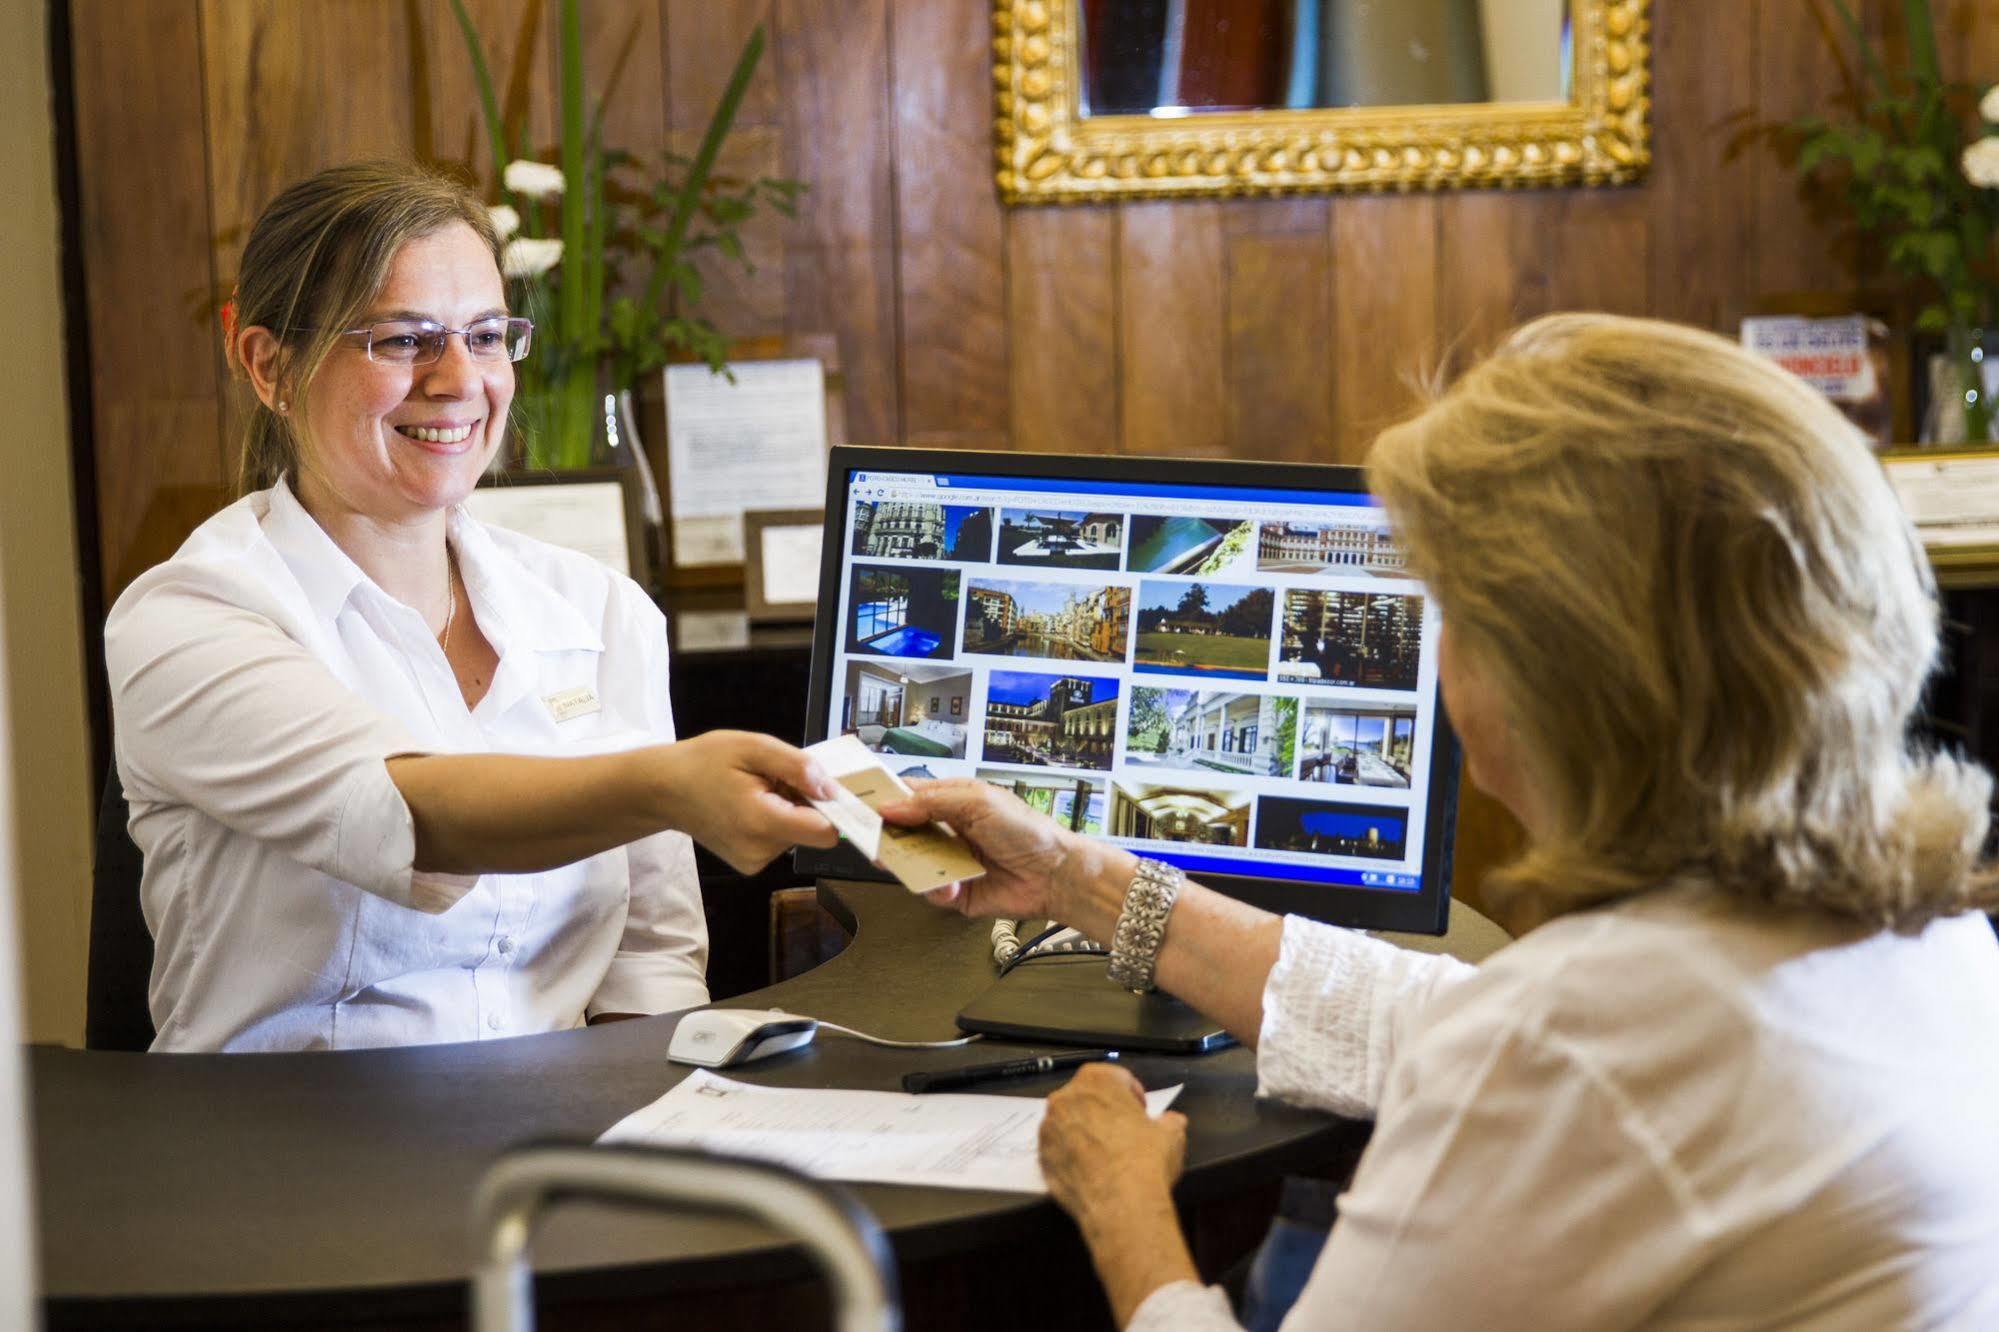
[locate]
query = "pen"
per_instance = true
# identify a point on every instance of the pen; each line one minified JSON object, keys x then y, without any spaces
{"x":950,"y":1079}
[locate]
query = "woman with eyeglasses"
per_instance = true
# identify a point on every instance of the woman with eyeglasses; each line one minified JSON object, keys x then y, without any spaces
{"x":1740,"y":1069}
{"x":399,"y":777}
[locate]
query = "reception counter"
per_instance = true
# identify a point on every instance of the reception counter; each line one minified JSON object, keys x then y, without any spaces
{"x":332,"y":1189}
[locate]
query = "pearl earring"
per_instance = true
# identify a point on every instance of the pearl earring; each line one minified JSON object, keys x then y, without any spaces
{"x":283,"y":406}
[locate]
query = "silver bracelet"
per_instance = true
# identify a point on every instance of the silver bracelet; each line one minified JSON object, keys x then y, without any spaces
{"x":1141,"y":926}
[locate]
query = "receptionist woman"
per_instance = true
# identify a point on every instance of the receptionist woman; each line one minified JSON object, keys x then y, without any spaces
{"x":1740,"y":1069}
{"x":398,"y":777}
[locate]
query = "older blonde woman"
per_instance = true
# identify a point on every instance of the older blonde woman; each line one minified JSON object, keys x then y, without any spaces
{"x":398,"y":777}
{"x":1740,"y":1070}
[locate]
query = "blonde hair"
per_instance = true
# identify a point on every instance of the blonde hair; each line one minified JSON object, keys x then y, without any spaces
{"x":1708,"y":617}
{"x":315,"y":259}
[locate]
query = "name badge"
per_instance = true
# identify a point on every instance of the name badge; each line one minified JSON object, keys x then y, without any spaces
{"x":578,"y":702}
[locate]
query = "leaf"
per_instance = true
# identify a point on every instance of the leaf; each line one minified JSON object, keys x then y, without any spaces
{"x":1932,"y":319}
{"x":711,"y":145}
{"x":482,"y":78}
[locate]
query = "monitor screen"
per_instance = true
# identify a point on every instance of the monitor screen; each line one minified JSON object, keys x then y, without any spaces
{"x":1219,"y":664}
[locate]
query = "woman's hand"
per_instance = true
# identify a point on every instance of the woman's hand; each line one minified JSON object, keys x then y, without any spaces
{"x":1100,"y":1149}
{"x":1111,"y":1166}
{"x":738,"y":794}
{"x":1030,"y":859}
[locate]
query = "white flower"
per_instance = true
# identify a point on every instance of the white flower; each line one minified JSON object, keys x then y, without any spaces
{"x":535,"y":180}
{"x":524,"y":258}
{"x":1988,"y":106}
{"x":1981,"y":163}
{"x":505,"y":220}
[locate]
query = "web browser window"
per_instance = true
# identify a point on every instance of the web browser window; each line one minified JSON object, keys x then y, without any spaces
{"x":1238,"y":680}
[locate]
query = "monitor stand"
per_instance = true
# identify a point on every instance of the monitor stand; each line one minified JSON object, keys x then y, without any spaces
{"x":1060,"y":1000}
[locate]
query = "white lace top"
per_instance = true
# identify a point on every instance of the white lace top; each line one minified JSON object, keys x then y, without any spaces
{"x":1679,"y":1112}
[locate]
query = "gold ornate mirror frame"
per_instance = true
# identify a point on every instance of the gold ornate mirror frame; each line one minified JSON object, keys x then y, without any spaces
{"x":1049,"y":153}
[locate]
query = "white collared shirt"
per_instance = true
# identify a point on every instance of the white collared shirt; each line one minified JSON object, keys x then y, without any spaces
{"x":1677,"y":1112}
{"x":259,"y":681}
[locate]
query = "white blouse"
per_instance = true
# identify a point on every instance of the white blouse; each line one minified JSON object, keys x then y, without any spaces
{"x":259,"y":680}
{"x":1678,"y":1112}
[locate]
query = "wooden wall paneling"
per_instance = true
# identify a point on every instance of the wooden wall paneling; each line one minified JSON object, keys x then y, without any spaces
{"x":1702,"y":193}
{"x":1384,"y":337}
{"x":1173,"y":335}
{"x":1508,"y":257}
{"x":1280,"y":354}
{"x":703,"y":41}
{"x":833,"y":64}
{"x":1061,"y":269}
{"x":1597,"y":251}
{"x":1968,"y":33}
{"x":292,"y":89}
{"x":150,"y":287}
{"x":1803,"y":58}
{"x":1496,"y":255}
{"x":950,"y":271}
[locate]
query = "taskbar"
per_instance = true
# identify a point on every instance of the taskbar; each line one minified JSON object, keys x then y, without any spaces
{"x":1394,"y":881}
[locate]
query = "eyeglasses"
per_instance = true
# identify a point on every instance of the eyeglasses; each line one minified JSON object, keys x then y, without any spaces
{"x":419,"y":341}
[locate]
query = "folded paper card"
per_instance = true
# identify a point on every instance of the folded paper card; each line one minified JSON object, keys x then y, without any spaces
{"x":927,"y":856}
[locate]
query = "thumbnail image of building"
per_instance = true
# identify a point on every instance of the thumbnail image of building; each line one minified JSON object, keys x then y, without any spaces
{"x":1050,"y":721}
{"x":1317,"y":547}
{"x":1222,"y":731}
{"x":1060,"y":539}
{"x":903,"y":530}
{"x":1165,"y":813}
{"x":1064,"y":621}
{"x":1207,"y":629}
{"x":891,"y":529}
{"x":1351,"y":638}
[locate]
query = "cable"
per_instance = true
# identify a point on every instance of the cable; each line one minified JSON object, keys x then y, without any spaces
{"x":1076,"y":946}
{"x":1006,"y":943}
{"x":898,"y":1045}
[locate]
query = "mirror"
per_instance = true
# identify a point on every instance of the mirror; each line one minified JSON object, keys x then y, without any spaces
{"x":1179,"y":57}
{"x":1120,"y":98}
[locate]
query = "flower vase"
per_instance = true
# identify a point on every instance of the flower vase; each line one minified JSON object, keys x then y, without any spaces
{"x":1964,"y":388}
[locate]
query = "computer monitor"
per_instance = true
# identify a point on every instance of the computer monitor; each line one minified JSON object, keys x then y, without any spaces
{"x":1215,"y":663}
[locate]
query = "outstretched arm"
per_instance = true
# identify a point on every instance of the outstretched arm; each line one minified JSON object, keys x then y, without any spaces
{"x":734,"y":792}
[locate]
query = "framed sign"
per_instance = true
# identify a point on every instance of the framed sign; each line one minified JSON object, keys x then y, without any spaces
{"x":781,"y":550}
{"x":592,"y":510}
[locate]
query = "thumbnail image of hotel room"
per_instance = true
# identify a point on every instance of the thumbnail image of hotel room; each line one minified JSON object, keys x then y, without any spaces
{"x":907,"y":709}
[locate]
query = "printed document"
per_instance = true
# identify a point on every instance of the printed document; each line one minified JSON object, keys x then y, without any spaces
{"x":952,"y":1141}
{"x":756,"y":443}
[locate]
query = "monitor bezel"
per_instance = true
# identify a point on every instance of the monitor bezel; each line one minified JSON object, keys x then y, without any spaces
{"x":1425,"y":911}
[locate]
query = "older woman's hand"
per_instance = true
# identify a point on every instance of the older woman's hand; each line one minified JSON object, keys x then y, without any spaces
{"x":1029,"y":858}
{"x":737,"y":793}
{"x":1100,"y":1150}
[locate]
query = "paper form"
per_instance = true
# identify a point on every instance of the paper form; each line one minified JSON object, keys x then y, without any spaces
{"x":963,"y":1141}
{"x":756,"y":443}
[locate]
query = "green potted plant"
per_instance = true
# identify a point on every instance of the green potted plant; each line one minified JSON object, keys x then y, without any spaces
{"x":584,"y":234}
{"x":1915,"y":181}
